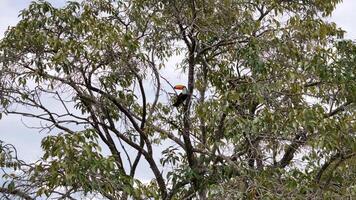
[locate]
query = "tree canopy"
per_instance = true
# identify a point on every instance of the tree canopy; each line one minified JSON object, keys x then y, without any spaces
{"x":269,"y":113}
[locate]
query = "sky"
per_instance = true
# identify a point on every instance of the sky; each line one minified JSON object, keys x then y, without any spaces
{"x":13,"y":130}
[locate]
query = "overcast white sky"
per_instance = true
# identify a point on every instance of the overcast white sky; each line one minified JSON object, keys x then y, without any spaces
{"x":27,"y":141}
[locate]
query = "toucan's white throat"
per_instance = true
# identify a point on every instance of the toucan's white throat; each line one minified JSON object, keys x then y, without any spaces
{"x":184,"y":90}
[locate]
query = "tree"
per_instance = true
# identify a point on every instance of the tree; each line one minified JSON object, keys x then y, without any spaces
{"x":270,"y":111}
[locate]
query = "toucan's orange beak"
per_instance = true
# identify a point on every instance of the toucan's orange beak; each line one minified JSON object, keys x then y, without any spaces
{"x":179,"y":87}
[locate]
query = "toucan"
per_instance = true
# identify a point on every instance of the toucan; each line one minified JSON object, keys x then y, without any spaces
{"x":182,"y":96}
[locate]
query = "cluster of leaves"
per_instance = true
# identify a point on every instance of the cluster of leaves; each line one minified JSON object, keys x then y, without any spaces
{"x":270,"y":110}
{"x":75,"y":161}
{"x":12,"y":172}
{"x":73,"y":165}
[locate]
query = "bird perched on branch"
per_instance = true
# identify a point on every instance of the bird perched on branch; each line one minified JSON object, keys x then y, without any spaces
{"x":182,"y":96}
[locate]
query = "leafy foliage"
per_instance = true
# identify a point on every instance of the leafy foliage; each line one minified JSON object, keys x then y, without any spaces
{"x":270,"y":111}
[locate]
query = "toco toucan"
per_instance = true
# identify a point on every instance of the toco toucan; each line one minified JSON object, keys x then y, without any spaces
{"x":182,"y":96}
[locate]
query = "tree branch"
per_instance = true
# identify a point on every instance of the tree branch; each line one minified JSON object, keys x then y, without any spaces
{"x":16,"y":192}
{"x":288,"y":156}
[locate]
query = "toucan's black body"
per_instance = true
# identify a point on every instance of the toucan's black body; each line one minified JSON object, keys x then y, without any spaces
{"x":180,"y":99}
